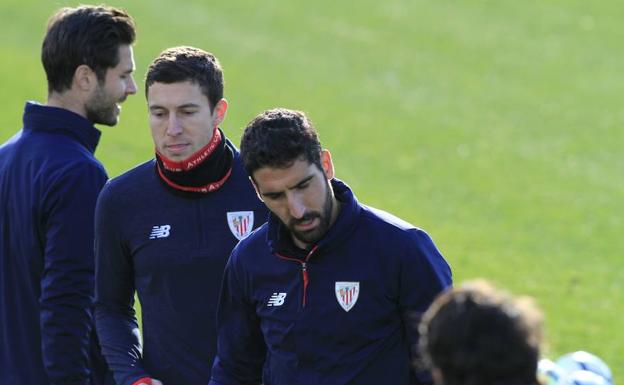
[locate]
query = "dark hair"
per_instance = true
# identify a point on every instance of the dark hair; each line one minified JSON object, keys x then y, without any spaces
{"x":278,"y":137}
{"x":89,"y":35}
{"x":179,"y":64}
{"x":476,"y":335}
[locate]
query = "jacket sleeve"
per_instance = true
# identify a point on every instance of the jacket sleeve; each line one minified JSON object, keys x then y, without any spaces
{"x":116,"y":321}
{"x":424,"y":275}
{"x":66,"y":300}
{"x":240,"y":346}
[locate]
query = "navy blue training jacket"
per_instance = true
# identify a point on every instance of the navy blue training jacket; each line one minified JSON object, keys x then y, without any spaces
{"x":345,"y":313}
{"x":171,"y":248}
{"x":49,"y":183}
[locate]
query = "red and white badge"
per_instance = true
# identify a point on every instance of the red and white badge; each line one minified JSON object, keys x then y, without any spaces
{"x":347,"y":294}
{"x":241,"y":223}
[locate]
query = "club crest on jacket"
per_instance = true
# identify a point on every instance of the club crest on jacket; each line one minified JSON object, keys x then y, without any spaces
{"x":240,"y":223}
{"x":347,"y":294}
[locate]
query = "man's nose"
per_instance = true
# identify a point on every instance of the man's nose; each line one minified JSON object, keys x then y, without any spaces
{"x":296,"y":207}
{"x":131,"y":88}
{"x":174,"y":127}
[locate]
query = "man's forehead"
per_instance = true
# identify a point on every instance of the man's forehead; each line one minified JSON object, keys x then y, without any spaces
{"x":126,"y":58}
{"x":282,"y":178}
{"x":179,"y":93}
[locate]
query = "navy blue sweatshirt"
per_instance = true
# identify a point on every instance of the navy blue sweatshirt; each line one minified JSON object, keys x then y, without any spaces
{"x":171,"y":248}
{"x":343,"y":313}
{"x":49,"y":183}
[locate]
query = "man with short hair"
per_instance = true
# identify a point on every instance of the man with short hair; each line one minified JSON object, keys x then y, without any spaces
{"x":326,"y":292}
{"x":165,"y":229}
{"x":49,"y":183}
{"x":478,"y":335}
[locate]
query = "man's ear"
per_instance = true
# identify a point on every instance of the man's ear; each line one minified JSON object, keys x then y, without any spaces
{"x":85,"y":78}
{"x":219,"y":111}
{"x":327,"y":164}
{"x":256,"y":188}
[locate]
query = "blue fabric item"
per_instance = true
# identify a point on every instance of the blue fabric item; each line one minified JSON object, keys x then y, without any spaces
{"x":171,"y":248}
{"x":398,"y":272}
{"x":49,"y":183}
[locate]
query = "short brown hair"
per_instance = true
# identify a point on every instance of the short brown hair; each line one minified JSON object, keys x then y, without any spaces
{"x":89,"y":35}
{"x":278,"y":137}
{"x":184,"y":63}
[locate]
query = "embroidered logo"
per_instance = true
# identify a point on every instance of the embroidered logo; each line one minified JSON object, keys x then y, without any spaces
{"x":347,"y":294}
{"x":241,"y":223}
{"x":160,"y":232}
{"x":277,"y":299}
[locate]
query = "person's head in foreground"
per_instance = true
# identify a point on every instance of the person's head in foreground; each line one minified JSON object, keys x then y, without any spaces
{"x":477,"y":335}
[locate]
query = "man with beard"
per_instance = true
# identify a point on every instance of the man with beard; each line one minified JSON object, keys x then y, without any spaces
{"x":328,"y":291}
{"x":49,"y":183}
{"x":165,"y":229}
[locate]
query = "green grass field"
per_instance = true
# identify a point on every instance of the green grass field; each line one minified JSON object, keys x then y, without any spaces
{"x":497,"y":126}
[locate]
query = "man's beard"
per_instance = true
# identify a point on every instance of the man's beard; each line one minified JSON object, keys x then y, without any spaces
{"x":311,"y":237}
{"x":101,"y":108}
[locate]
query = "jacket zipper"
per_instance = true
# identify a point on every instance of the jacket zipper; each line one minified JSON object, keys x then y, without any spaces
{"x":304,"y":271}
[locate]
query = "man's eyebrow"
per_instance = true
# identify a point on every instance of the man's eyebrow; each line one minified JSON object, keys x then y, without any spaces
{"x":303,"y":181}
{"x":185,"y":105}
{"x":189,"y":105}
{"x":276,"y":193}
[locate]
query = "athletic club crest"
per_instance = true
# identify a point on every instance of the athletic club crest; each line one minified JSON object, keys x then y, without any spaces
{"x":241,"y":223}
{"x":347,"y":294}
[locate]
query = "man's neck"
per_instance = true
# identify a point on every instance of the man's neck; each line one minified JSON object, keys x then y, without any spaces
{"x":67,"y":101}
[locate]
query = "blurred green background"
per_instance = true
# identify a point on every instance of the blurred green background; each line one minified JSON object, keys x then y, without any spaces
{"x":494,"y":125}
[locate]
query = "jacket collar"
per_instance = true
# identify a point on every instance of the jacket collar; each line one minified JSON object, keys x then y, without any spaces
{"x":38,"y":117}
{"x":205,"y":171}
{"x":279,"y":239}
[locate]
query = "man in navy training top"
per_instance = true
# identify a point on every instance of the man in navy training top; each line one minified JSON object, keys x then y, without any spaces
{"x":49,"y":183}
{"x":477,"y":334}
{"x":325,"y":293}
{"x":165,"y":229}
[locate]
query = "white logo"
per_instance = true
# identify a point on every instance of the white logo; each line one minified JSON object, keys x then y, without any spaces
{"x":241,"y":223}
{"x":277,"y":299}
{"x":347,"y":294}
{"x":160,"y":232}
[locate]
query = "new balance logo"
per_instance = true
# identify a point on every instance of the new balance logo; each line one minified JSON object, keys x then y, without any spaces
{"x":277,"y":299}
{"x":160,"y":232}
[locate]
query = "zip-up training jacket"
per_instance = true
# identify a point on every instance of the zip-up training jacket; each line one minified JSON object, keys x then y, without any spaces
{"x":171,"y":248}
{"x":344,"y":312}
{"x":49,"y":183}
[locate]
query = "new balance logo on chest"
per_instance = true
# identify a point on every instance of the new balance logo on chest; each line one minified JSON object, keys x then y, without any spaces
{"x":277,"y":299}
{"x":162,"y":231}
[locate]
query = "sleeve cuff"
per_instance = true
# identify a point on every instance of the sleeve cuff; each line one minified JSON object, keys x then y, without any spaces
{"x":143,"y":381}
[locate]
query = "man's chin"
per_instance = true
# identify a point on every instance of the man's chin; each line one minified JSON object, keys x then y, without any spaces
{"x":176,"y":156}
{"x":110,"y":119}
{"x":111,"y":122}
{"x":310,"y":237}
